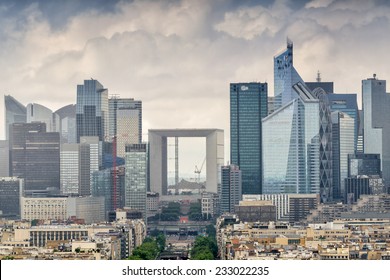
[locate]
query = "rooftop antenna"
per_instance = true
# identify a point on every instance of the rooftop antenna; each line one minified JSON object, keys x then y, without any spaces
{"x":318,"y":76}
{"x":289,"y":42}
{"x":374,"y":75}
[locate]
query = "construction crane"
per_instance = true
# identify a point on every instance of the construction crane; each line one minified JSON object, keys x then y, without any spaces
{"x":198,"y":171}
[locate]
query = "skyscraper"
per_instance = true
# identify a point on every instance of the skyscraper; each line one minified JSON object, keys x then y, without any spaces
{"x":343,"y":139}
{"x":35,"y":157}
{"x":15,"y":112}
{"x":67,"y":115}
{"x":126,"y":104}
{"x":69,"y":166}
{"x":230,"y":192}
{"x":40,"y":113}
{"x":346,"y":103}
{"x":88,"y":163}
{"x":11,"y":189}
{"x":285,"y":76}
{"x":4,"y":158}
{"x":297,"y":135}
{"x":248,"y":105}
{"x":136,"y":177}
{"x":376,"y":104}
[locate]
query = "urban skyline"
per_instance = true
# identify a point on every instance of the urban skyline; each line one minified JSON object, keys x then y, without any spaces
{"x":299,"y":163}
{"x":185,"y":59}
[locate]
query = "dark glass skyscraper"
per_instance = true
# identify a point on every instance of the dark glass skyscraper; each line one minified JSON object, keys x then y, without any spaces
{"x":248,"y":105}
{"x":35,"y":157}
{"x":92,"y":110}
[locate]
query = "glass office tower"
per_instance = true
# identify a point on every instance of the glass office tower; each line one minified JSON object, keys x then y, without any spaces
{"x":35,"y":157}
{"x":291,"y":147}
{"x":248,"y":105}
{"x":343,"y":132}
{"x":15,"y":112}
{"x":376,"y":104}
{"x":136,"y":163}
{"x":285,"y":76}
{"x":92,"y":113}
{"x":297,"y":135}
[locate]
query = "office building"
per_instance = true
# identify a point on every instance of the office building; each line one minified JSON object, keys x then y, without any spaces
{"x":326,"y":86}
{"x":11,"y":190}
{"x":4,"y":156}
{"x":88,"y":163}
{"x":15,"y":112}
{"x":297,"y":136}
{"x":35,"y":157}
{"x":248,"y":105}
{"x":92,"y":113}
{"x":256,"y":211}
{"x":343,"y":140}
{"x":127,"y":129}
{"x":67,"y":116}
{"x":136,"y":164}
{"x":364,"y":164}
{"x":69,"y":169}
{"x":89,"y":209}
{"x":129,"y":106}
{"x":346,"y":103}
{"x":230,"y":192}
{"x":285,"y":76}
{"x":40,"y":113}
{"x":376,"y":104}
{"x":289,"y":207}
{"x":152,"y":204}
{"x":209,"y":204}
{"x":362,"y":185}
{"x":103,"y":186}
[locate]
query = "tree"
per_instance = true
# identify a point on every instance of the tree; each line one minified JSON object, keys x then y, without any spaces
{"x":204,"y":248}
{"x":161,"y":242}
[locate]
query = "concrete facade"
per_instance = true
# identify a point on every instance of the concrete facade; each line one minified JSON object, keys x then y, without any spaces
{"x":158,"y":156}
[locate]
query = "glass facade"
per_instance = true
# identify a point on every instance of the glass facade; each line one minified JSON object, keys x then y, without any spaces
{"x":88,"y":163}
{"x":11,"y":189}
{"x":67,"y":117}
{"x":35,"y":156}
{"x":130,"y":104}
{"x":346,"y":103}
{"x":92,"y":110}
{"x":376,"y":104}
{"x":297,"y":135}
{"x":136,"y":177}
{"x":103,"y":186}
{"x":343,"y":134}
{"x":69,"y":166}
{"x":15,"y":112}
{"x":285,"y":76}
{"x":230,"y":192}
{"x":248,"y":105}
{"x":4,"y":156}
{"x":291,"y":149}
{"x":40,"y":113}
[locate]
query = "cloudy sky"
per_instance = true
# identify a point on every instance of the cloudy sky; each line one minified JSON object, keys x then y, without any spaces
{"x":179,"y":57}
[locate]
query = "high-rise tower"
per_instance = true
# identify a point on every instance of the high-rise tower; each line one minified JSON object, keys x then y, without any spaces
{"x":376,"y":104}
{"x":15,"y":112}
{"x":297,"y":135}
{"x":248,"y":105}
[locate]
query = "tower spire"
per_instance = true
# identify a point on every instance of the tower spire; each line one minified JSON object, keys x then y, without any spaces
{"x":318,"y":77}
